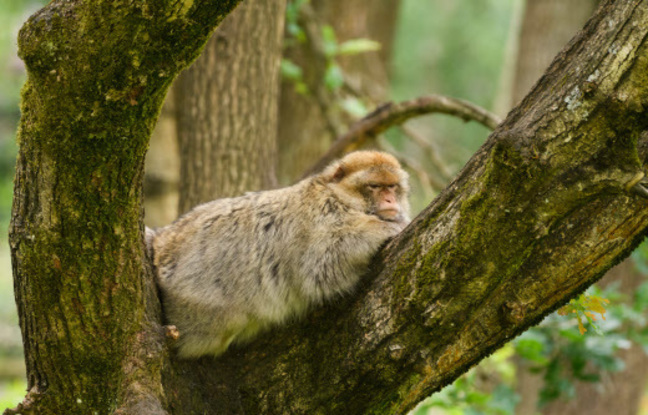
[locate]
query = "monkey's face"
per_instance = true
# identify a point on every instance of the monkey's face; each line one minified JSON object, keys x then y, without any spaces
{"x":372,"y":182}
{"x":380,"y":191}
{"x":384,"y":191}
{"x":384,"y":200}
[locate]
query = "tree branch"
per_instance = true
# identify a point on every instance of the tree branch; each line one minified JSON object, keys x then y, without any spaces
{"x":538,"y":214}
{"x":391,"y":114}
{"x":431,"y":153}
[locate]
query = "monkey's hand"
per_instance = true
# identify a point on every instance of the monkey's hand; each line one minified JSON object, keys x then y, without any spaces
{"x":373,"y":226}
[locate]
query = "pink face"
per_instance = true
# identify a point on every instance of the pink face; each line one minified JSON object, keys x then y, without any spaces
{"x":385,"y":197}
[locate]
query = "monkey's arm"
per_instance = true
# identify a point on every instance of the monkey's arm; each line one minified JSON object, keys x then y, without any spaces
{"x":339,"y":254}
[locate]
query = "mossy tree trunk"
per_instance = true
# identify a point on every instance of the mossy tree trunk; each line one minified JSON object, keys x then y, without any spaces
{"x":97,"y":74}
{"x":540,"y":212}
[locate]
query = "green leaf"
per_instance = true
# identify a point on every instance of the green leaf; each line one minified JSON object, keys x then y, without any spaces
{"x":301,"y":88}
{"x":333,"y":78}
{"x":354,"y":107}
{"x":290,"y":70}
{"x":504,"y":400}
{"x":532,"y":349}
{"x":292,"y":10}
{"x":296,"y":31}
{"x":641,"y":297}
{"x":329,"y":41}
{"x":356,"y":46}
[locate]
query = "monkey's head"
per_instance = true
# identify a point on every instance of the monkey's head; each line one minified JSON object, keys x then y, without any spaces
{"x":373,"y":182}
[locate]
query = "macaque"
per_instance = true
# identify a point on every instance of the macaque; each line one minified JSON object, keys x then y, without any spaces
{"x":234,"y":267}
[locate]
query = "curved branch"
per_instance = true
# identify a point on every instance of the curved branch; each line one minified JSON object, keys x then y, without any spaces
{"x":390,"y":114}
{"x":431,"y":153}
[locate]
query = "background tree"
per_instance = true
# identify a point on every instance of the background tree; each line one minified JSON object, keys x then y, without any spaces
{"x":224,"y":121}
{"x":227,"y":107}
{"x":161,"y":192}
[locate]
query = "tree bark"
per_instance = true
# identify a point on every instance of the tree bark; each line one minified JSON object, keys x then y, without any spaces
{"x":548,"y":25}
{"x":227,"y":107}
{"x":540,"y":212}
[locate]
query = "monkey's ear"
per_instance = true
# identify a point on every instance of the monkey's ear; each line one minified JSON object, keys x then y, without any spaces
{"x":339,"y":174}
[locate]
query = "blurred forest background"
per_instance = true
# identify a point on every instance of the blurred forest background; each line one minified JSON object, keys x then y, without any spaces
{"x":487,"y":52}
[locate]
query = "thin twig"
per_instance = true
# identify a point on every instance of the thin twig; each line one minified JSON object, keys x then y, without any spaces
{"x":391,"y":114}
{"x":431,"y":150}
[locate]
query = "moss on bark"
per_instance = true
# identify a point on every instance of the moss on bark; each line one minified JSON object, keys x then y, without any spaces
{"x":97,"y":73}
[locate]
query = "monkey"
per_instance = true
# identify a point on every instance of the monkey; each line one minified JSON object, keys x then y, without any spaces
{"x":234,"y":267}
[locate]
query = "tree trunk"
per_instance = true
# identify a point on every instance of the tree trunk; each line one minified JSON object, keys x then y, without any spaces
{"x":227,"y":107}
{"x":547,"y":26}
{"x":305,"y":128}
{"x":545,"y":201}
{"x":97,"y":74}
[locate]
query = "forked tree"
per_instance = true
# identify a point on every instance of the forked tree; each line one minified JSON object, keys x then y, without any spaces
{"x":550,"y":201}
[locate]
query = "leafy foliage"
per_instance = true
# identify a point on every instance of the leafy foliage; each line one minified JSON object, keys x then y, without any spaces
{"x":292,"y":72}
{"x":471,"y":395}
{"x":333,"y":78}
{"x":295,"y":33}
{"x":11,"y":393}
{"x":584,"y":308}
{"x":570,"y":346}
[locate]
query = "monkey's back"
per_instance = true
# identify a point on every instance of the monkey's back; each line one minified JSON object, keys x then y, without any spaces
{"x":230,"y":266}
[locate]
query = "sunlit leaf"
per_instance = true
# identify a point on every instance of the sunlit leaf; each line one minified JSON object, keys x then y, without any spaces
{"x":356,"y":46}
{"x":290,"y":70}
{"x":329,"y":41}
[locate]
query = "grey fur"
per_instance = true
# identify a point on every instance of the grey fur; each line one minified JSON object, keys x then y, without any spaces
{"x":233,"y":267}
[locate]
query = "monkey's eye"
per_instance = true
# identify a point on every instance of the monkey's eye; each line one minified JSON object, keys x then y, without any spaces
{"x":373,"y":186}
